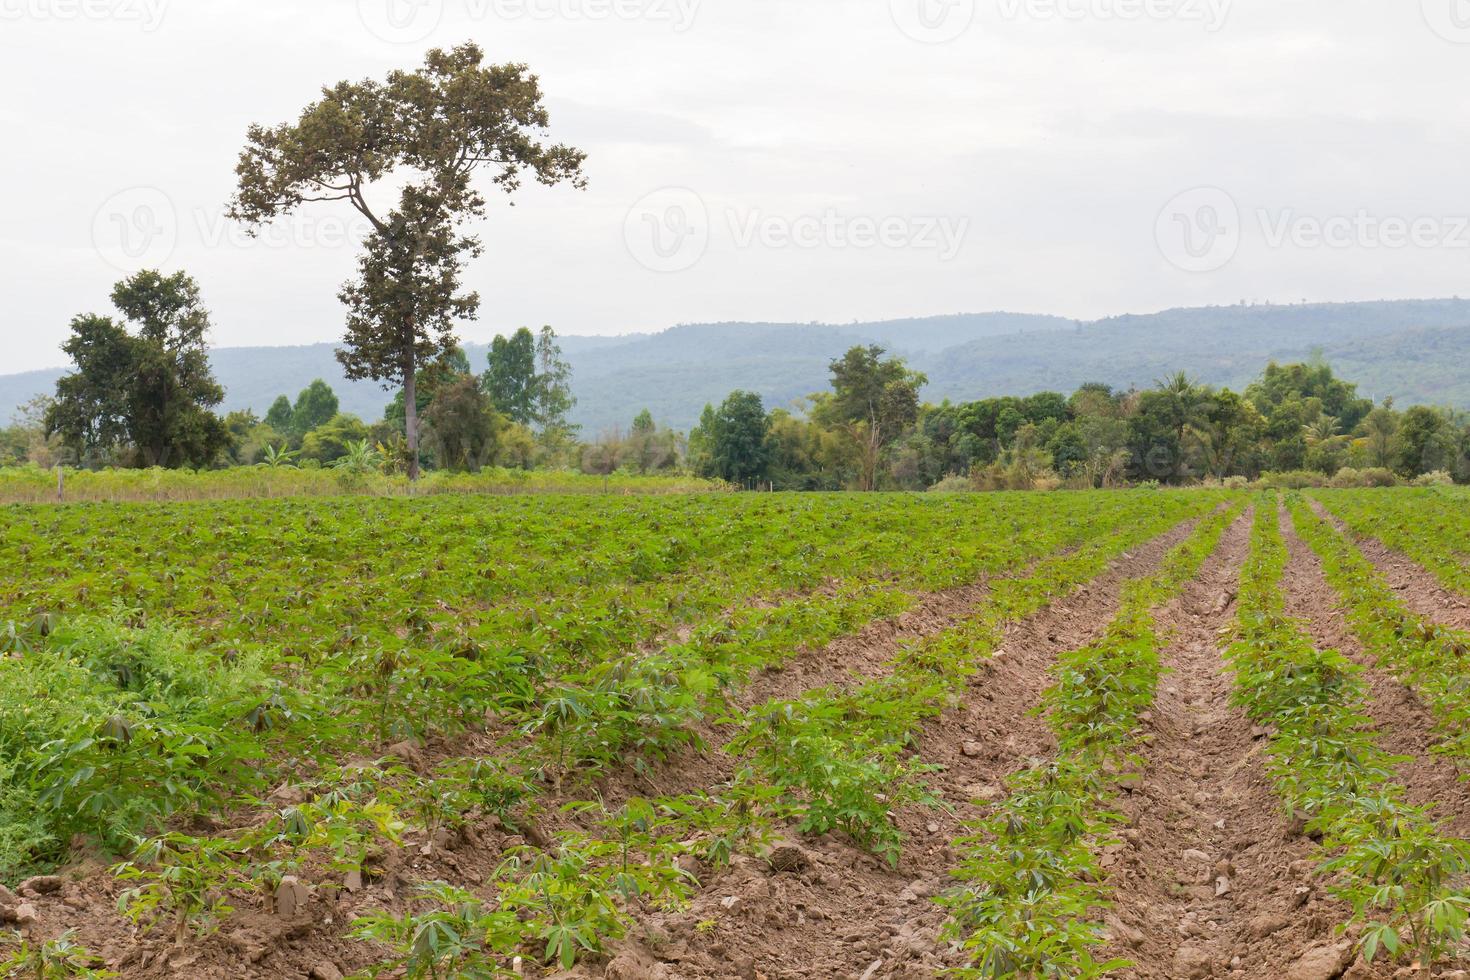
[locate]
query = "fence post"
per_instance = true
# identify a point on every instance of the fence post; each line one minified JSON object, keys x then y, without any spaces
{"x":60,"y":483}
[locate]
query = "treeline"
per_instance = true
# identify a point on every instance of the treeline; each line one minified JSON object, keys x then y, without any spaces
{"x":141,"y":394}
{"x":1297,"y":424}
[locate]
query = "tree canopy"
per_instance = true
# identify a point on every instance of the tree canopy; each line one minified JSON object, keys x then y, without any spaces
{"x":150,"y":392}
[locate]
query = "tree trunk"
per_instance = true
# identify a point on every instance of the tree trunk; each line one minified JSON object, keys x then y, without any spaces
{"x":411,"y":416}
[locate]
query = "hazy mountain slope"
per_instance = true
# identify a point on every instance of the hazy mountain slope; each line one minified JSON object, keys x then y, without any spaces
{"x":1426,"y":367}
{"x":1411,"y":350}
{"x":1216,"y":345}
{"x":17,"y":389}
{"x":675,"y":373}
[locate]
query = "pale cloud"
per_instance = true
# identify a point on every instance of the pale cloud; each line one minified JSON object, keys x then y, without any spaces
{"x":1039,"y":140}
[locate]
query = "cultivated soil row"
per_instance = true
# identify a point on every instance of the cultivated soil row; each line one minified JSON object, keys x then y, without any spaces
{"x":1210,"y":879}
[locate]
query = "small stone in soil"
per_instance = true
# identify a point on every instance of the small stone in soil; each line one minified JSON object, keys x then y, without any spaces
{"x":788,"y":857}
{"x":41,"y":885}
{"x":1322,"y":963}
{"x":1267,"y":924}
{"x":291,"y":896}
{"x":1193,"y":963}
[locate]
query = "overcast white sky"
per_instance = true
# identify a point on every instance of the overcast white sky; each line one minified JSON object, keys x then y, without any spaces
{"x":769,"y":159}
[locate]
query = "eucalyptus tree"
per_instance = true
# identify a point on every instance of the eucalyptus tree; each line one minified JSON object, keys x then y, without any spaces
{"x":424,"y":135}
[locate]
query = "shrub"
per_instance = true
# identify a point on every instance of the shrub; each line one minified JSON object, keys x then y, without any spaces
{"x":953,"y":484}
{"x":1376,"y":476}
{"x":1292,"y":480}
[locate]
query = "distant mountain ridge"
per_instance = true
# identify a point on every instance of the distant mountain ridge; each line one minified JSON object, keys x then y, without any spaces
{"x":1411,"y":350}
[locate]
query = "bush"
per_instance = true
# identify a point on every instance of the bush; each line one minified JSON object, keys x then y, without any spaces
{"x":1348,"y":478}
{"x":1379,"y":476}
{"x":1292,"y":480}
{"x":953,"y":484}
{"x":151,"y":725}
{"x":1439,"y":478}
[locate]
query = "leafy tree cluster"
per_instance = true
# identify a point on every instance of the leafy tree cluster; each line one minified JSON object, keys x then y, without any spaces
{"x":646,"y":448}
{"x":846,"y":438}
{"x":141,"y":391}
{"x":870,"y":431}
{"x":529,"y":381}
{"x":466,"y":421}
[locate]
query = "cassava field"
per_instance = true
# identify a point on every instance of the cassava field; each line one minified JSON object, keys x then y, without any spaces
{"x":1146,"y":734}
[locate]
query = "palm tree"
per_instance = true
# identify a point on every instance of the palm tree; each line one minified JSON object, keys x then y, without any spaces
{"x":1324,"y":429}
{"x":1187,"y":397}
{"x":361,"y":458}
{"x":276,"y":457}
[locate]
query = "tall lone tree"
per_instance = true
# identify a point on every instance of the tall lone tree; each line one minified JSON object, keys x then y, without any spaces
{"x":428,"y":132}
{"x":874,"y":401}
{"x":731,"y":440}
{"x":510,"y":379}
